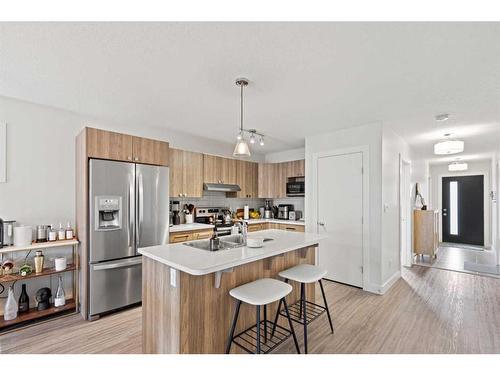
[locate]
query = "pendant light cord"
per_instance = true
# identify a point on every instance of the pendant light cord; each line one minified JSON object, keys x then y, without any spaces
{"x":241,"y":108}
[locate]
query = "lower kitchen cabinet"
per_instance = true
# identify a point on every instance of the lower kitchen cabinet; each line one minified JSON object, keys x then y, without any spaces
{"x":178,"y":237}
{"x":256,"y":227}
{"x":292,"y":228}
{"x":263,"y":226}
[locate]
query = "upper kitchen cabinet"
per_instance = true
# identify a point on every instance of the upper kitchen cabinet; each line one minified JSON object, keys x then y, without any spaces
{"x":186,"y":173}
{"x":150,"y":151}
{"x":102,"y":144}
{"x":219,"y":170}
{"x":247,"y":179}
{"x":274,"y":176}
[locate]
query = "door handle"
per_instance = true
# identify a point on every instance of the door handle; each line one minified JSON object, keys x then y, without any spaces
{"x":445,"y":214}
{"x":140,"y":207}
{"x":130,"y":218}
{"x":321,"y":224}
{"x":121,"y":264}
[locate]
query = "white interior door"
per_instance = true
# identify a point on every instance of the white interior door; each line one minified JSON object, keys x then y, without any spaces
{"x":340,"y":215}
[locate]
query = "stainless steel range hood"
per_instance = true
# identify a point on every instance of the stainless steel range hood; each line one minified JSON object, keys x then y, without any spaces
{"x":227,"y":188}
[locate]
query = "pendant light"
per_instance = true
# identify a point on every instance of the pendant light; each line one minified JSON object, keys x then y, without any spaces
{"x":241,"y":149}
{"x":449,"y":146}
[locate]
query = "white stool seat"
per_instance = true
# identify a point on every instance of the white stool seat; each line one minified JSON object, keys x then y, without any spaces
{"x":261,"y":292}
{"x":304,"y":273}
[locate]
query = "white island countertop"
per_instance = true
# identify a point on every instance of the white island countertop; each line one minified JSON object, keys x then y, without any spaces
{"x":202,"y":262}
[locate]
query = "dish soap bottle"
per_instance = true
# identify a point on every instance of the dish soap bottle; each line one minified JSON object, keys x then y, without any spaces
{"x":10,"y":310}
{"x":69,"y":232}
{"x":61,"y":233}
{"x":60,"y":299}
{"x":24,"y":300}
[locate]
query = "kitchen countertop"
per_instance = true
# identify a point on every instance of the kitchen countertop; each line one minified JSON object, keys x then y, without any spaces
{"x":189,"y":227}
{"x":202,"y":262}
{"x":276,"y":221}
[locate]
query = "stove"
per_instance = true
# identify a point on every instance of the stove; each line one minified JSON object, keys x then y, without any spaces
{"x":215,"y":216}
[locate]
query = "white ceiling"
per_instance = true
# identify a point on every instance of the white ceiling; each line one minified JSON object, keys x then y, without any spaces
{"x":306,"y":78}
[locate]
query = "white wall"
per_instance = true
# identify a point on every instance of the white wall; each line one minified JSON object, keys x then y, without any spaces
{"x":393,"y":147}
{"x":40,"y":187}
{"x":287,"y":155}
{"x":437,"y":171}
{"x":367,"y":135}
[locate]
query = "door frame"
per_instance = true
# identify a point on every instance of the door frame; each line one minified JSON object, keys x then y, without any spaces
{"x":365,"y":152}
{"x":487,"y":203}
{"x":406,"y":252}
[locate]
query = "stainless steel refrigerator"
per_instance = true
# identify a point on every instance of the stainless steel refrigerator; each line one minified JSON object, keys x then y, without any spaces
{"x":128,"y":209}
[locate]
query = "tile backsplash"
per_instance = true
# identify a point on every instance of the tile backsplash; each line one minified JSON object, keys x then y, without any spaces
{"x":219,"y":199}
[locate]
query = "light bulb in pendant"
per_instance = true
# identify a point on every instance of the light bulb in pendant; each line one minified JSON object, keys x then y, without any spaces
{"x":261,"y":141}
{"x":252,"y":139}
{"x":239,"y":137}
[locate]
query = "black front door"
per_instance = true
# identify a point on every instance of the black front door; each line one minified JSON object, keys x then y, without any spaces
{"x":463,"y":210}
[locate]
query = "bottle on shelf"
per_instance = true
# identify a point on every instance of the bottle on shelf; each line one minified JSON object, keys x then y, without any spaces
{"x":69,"y":231}
{"x":60,"y":299}
{"x":52,"y":233}
{"x":61,"y":233}
{"x":10,"y":309}
{"x":24,"y":301}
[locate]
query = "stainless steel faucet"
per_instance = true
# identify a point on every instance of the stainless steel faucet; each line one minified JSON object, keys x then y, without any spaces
{"x":244,"y":231}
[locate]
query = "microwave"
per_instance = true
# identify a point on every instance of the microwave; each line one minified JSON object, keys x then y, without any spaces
{"x":295,"y":186}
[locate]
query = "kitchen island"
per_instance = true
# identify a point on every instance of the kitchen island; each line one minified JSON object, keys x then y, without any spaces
{"x":186,"y":307}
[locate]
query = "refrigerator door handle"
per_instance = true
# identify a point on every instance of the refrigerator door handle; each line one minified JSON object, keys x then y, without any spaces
{"x":130,"y":219}
{"x":120,"y":264}
{"x":140,"y":207}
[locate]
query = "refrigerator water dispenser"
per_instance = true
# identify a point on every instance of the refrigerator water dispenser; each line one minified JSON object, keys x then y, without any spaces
{"x":108,"y":211}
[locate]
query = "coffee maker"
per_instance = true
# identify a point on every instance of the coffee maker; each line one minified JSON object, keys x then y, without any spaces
{"x":174,"y":210}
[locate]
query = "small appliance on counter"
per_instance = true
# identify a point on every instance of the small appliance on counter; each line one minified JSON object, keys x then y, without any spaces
{"x":284,"y":210}
{"x":7,"y":232}
{"x":176,"y":219}
{"x":268,"y":210}
{"x":294,"y":215}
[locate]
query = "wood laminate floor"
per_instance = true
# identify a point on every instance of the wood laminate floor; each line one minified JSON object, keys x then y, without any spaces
{"x":427,"y":311}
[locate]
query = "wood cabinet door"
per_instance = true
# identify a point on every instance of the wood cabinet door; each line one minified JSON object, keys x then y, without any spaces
{"x":150,"y":151}
{"x":192,"y":178}
{"x":229,"y":167}
{"x":176,"y":161}
{"x":252,"y":180}
{"x":266,"y":174}
{"x":103,"y":144}
{"x":212,"y":169}
{"x":181,"y":237}
{"x":241,"y":178}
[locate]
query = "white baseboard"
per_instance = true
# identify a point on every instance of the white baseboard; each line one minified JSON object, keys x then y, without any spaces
{"x":382,"y":289}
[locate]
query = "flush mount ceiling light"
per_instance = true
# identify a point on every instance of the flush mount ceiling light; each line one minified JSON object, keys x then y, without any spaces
{"x":458,"y":166}
{"x":449,"y":146}
{"x":442,"y":117}
{"x":242,"y":149}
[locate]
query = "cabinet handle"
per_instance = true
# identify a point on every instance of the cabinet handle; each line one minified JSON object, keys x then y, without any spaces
{"x":136,"y":159}
{"x":289,"y":228}
{"x":129,"y":157}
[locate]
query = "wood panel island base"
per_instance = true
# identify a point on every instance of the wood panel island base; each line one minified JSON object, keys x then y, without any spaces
{"x":186,"y":304}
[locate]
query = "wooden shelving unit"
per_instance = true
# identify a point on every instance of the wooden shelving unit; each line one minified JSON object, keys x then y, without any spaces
{"x":33,"y":314}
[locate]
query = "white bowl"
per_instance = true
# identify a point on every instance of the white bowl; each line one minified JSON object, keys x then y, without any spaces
{"x":255,"y":242}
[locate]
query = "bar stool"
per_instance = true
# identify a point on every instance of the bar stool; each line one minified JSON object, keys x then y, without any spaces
{"x":261,"y":293}
{"x":307,"y":311}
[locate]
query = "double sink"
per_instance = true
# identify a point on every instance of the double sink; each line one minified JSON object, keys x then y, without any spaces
{"x":226,"y":242}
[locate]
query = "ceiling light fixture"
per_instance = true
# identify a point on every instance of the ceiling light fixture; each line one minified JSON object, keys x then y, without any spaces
{"x":242,"y":149}
{"x":449,"y":146}
{"x":442,"y":117}
{"x":457,"y":166}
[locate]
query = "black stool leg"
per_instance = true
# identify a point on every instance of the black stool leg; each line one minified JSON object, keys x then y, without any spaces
{"x":276,"y":319}
{"x":233,"y":327}
{"x":326,"y":305}
{"x":291,"y":325}
{"x":265,"y":323}
{"x":303,"y":297}
{"x":257,"y":325}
